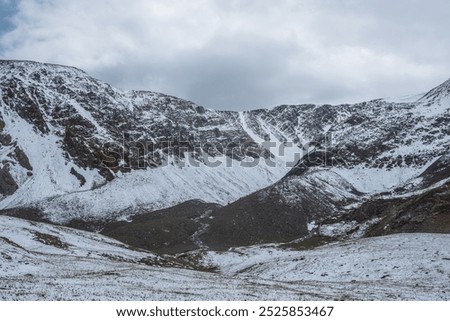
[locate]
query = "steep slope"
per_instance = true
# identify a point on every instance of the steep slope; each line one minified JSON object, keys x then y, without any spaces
{"x":378,"y":168}
{"x":280,"y":213}
{"x":314,"y":208}
{"x":64,"y":136}
{"x":424,"y":211}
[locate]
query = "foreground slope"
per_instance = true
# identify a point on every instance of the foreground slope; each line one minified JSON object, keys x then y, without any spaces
{"x":402,"y":266}
{"x":46,"y":262}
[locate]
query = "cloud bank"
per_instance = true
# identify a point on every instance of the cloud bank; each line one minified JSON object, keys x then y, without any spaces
{"x":242,"y":54}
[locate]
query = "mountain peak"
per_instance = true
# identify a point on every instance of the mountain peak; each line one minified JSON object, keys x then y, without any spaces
{"x":37,"y":72}
{"x":35,"y":64}
{"x":437,"y":93}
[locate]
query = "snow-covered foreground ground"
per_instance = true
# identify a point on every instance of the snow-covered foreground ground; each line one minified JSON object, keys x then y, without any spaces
{"x":44,"y":262}
{"x":401,"y":266}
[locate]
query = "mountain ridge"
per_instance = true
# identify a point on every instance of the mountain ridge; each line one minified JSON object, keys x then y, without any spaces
{"x":75,"y":149}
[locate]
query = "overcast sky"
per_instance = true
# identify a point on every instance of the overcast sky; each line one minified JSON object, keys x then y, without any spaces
{"x":240,"y":54}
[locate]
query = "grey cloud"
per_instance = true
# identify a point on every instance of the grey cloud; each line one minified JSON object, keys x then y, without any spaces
{"x":243,"y":53}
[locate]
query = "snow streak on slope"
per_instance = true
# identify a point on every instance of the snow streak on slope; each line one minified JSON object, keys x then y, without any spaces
{"x":381,"y":179}
{"x":283,"y":147}
{"x":248,"y":130}
{"x":158,"y":188}
{"x":50,"y":168}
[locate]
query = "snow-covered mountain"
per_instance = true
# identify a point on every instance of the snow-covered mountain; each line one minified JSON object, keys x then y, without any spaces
{"x":76,"y":150}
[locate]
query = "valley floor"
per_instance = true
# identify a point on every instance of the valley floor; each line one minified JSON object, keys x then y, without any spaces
{"x":46,"y":262}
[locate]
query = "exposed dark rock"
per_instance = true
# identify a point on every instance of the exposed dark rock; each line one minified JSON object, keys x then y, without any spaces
{"x":5,"y":139}
{"x":171,"y":230}
{"x":252,"y":220}
{"x":27,"y":213}
{"x":22,"y":158}
{"x":424,"y":213}
{"x":78,"y":176}
{"x":7,"y":184}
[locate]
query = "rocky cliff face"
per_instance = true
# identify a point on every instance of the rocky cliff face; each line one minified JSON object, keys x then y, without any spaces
{"x":64,"y":133}
{"x":78,"y":150}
